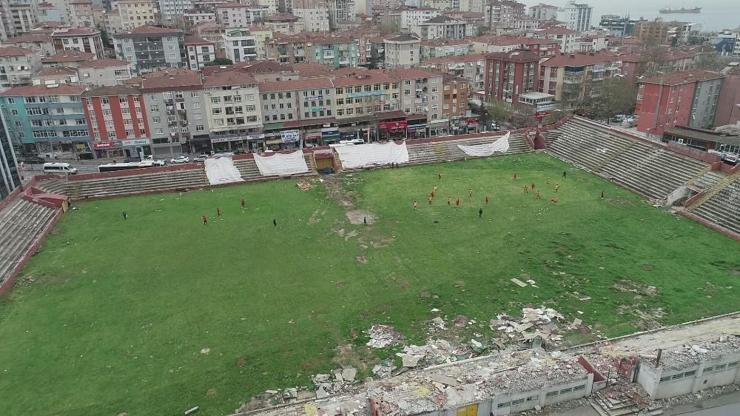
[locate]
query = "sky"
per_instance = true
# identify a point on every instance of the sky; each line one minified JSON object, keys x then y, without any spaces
{"x":715,"y":14}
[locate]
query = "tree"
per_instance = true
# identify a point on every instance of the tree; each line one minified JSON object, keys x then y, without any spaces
{"x":220,"y":61}
{"x":616,"y":96}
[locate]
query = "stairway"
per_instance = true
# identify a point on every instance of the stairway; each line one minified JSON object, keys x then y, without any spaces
{"x":722,"y":205}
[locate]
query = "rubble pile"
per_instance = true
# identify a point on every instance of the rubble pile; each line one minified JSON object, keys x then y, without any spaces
{"x":435,"y":352}
{"x":535,"y":322}
{"x":339,"y":381}
{"x":383,"y":336}
{"x":690,"y":354}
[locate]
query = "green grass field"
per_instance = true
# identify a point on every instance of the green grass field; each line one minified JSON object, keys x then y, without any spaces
{"x":111,"y":316}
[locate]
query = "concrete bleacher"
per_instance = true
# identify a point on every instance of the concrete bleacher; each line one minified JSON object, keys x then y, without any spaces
{"x":722,"y":208}
{"x":137,"y":183}
{"x":21,"y":224}
{"x":650,"y":170}
{"x":445,"y":151}
{"x":249,"y":170}
{"x":54,"y":186}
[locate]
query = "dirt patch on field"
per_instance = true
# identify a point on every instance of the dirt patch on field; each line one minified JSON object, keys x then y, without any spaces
{"x":361,"y":216}
{"x":316,"y":216}
{"x":335,"y":190}
{"x":304,"y":185}
{"x":635,"y":287}
{"x":361,"y":259}
{"x":619,"y":202}
{"x":645,"y":318}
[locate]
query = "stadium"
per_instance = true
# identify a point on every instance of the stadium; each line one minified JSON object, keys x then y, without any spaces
{"x":182,"y":287}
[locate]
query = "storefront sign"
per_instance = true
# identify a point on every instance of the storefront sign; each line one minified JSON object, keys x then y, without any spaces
{"x":105,"y":145}
{"x":229,"y":139}
{"x":135,"y":142}
{"x":393,"y":125}
{"x":290,"y":136}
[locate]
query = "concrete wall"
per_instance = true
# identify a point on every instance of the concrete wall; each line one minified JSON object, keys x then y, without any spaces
{"x":661,"y":383}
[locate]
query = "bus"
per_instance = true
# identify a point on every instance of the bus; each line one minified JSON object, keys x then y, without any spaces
{"x":59,"y":168}
{"x":111,"y":167}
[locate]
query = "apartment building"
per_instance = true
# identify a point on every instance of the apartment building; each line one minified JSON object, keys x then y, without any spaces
{"x":315,"y":19}
{"x":82,"y":39}
{"x":443,"y":27}
{"x":17,"y":66}
{"x":199,"y":52}
{"x":572,"y":78}
{"x":543,"y":12}
{"x":39,"y":42}
{"x":41,"y":118}
{"x":236,"y":15}
{"x":471,"y":67}
{"x":421,"y":93}
{"x":176,"y":114}
{"x":232,"y":101}
{"x":150,"y":48}
{"x":679,"y":99}
{"x":127,"y":15}
{"x":239,"y":45}
{"x":117,"y":121}
{"x":283,"y":23}
{"x":104,"y":72}
{"x":504,"y":14}
{"x":430,"y":49}
{"x":410,"y":19}
{"x":576,"y":16}
{"x":171,"y":11}
{"x":455,"y":109}
{"x":335,"y":51}
{"x":510,"y":74}
{"x":402,"y":51}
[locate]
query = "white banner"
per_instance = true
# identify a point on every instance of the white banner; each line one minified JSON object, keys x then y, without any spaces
{"x":373,"y":154}
{"x":281,"y":164}
{"x":482,"y":150}
{"x":222,"y":170}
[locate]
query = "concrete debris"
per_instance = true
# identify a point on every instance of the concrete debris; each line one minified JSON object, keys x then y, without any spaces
{"x":460,"y":321}
{"x":383,"y":336}
{"x":435,"y":352}
{"x":518,"y":282}
{"x":384,"y":369}
{"x":349,"y":374}
{"x":534,"y":323}
{"x":439,"y":323}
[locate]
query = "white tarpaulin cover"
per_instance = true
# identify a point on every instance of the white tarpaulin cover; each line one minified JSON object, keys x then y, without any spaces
{"x":281,"y":164}
{"x":373,"y":154}
{"x":481,"y":150}
{"x":222,"y":170}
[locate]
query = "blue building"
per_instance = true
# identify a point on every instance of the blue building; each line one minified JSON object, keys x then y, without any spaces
{"x":46,"y":119}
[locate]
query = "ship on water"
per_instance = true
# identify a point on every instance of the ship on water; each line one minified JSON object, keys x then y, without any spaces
{"x":682,"y":10}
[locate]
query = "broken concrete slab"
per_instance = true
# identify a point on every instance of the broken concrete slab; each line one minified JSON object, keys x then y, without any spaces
{"x":518,"y":282}
{"x":349,"y":374}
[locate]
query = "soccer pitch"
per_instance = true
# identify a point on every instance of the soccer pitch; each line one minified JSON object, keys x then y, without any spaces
{"x":159,"y":313}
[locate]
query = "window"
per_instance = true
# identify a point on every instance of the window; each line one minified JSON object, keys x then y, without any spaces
{"x":215,"y":100}
{"x":199,"y":127}
{"x":517,"y":402}
{"x":504,"y":404}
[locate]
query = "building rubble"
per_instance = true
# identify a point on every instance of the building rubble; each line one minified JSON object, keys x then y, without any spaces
{"x":534,"y":323}
{"x":383,"y":336}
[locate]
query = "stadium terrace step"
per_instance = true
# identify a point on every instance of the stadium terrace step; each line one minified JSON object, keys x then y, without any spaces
{"x":249,"y":170}
{"x":723,"y":208}
{"x":53,"y":186}
{"x":708,"y":179}
{"x":445,"y":151}
{"x":21,"y":223}
{"x":134,"y":184}
{"x":649,"y":170}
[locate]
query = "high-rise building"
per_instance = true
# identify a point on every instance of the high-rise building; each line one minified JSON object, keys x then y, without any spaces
{"x":510,"y":74}
{"x":149,"y":48}
{"x":9,"y":177}
{"x":172,"y":10}
{"x":543,"y":12}
{"x":504,"y":14}
{"x":576,"y":16}
{"x":617,"y":25}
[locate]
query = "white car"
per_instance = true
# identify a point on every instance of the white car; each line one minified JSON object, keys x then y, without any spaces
{"x":180,"y":159}
{"x":200,"y":158}
{"x":155,"y":162}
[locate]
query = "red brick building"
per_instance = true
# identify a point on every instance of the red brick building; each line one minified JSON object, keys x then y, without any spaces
{"x":728,"y":107}
{"x":687,"y":99}
{"x":116,"y":118}
{"x":509,"y":74}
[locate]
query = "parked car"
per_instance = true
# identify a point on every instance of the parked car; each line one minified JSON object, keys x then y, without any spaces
{"x":156,"y":162}
{"x":200,"y":158}
{"x":180,"y":159}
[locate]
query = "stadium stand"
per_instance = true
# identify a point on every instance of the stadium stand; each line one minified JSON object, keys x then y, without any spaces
{"x":645,"y":168}
{"x":722,"y":205}
{"x":250,"y":172}
{"x":447,"y":150}
{"x":136,"y":183}
{"x":22,"y":222}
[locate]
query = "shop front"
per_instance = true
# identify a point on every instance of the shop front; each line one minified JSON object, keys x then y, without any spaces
{"x":136,"y":148}
{"x":392,"y":130}
{"x":108,"y":150}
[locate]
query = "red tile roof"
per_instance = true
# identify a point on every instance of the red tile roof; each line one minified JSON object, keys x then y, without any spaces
{"x":168,"y":80}
{"x":104,"y":63}
{"x":57,"y":70}
{"x":6,"y":51}
{"x":64,"y":89}
{"x":281,"y":18}
{"x":226,"y":78}
{"x":194,"y":40}
{"x":580,"y":59}
{"x":30,"y":38}
{"x":151,"y":30}
{"x":112,"y":90}
{"x":682,"y":77}
{"x":75,"y":31}
{"x":473,"y":57}
{"x":361,"y":77}
{"x":69,"y":56}
{"x":411,"y":73}
{"x":296,"y":85}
